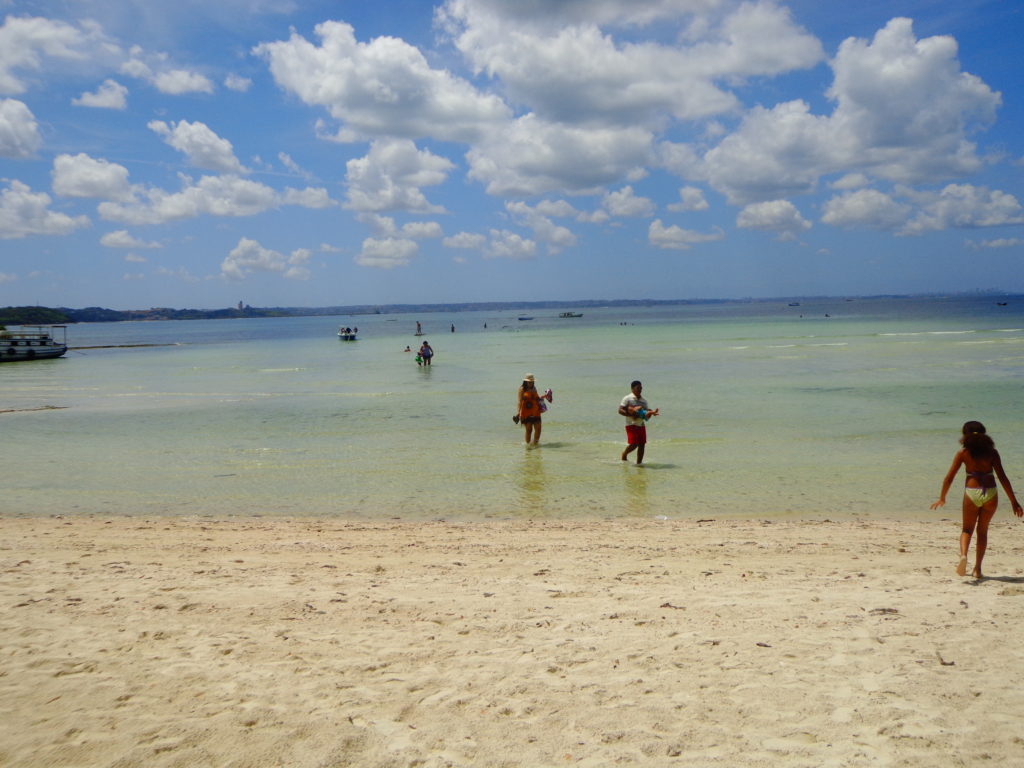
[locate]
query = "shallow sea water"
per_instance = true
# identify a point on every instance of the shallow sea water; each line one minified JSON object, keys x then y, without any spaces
{"x":767,"y":410}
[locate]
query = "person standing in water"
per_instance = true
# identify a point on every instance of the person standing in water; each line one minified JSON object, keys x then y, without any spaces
{"x":426,"y":352}
{"x":637,"y":413}
{"x":983,"y":464}
{"x":528,"y":409}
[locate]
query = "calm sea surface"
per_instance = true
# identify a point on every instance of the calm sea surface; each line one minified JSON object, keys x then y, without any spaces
{"x":831,"y":409}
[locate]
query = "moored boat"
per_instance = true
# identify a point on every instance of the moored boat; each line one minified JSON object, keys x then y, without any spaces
{"x":32,"y":342}
{"x":570,"y":314}
{"x":347,"y":334}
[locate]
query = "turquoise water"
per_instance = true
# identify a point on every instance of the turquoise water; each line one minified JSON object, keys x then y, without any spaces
{"x":767,"y":410}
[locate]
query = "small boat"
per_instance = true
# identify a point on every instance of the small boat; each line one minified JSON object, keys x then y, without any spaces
{"x":570,"y":314}
{"x":524,"y":317}
{"x":32,"y":342}
{"x":794,"y":303}
{"x":347,"y":334}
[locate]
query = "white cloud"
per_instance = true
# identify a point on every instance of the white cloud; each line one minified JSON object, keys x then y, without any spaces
{"x":624,"y":202}
{"x":237,"y":83}
{"x":203,"y":148}
{"x":384,"y":87}
{"x":212,"y":195}
{"x":179,"y":81}
{"x":110,"y":95}
{"x":19,"y":132}
{"x":465,"y":240}
{"x":533,"y":157}
{"x":83,"y":176}
{"x":773,"y":216}
{"x":1001,"y":242}
{"x":291,"y":165}
{"x":310,"y":197}
{"x":566,"y":66}
{"x":387,"y":253}
{"x":249,"y":256}
{"x":122,"y":239}
{"x":867,"y":208}
{"x":23,"y":213}
{"x":544,"y":229}
{"x":850,"y":181}
{"x":25,"y":41}
{"x":676,"y":238}
{"x":508,"y":245}
{"x":903,"y":113}
{"x":7,"y":277}
{"x":963,"y":206}
{"x":389,"y":177}
{"x":690,"y":199}
{"x":134,"y":258}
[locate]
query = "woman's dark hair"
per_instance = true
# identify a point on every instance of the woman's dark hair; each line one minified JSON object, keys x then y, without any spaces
{"x":978,"y":444}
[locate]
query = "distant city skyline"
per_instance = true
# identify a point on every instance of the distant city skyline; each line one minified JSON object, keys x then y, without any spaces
{"x":321,"y":154}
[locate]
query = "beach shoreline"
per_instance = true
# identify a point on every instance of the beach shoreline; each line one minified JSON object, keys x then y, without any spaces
{"x":166,"y":641}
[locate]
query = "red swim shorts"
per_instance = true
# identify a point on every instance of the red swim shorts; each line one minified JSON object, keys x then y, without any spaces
{"x":636,"y":435}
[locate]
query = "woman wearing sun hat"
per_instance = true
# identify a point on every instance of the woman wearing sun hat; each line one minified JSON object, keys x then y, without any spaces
{"x":528,"y":409}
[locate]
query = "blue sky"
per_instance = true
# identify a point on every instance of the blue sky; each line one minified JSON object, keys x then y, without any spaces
{"x":314,"y":153}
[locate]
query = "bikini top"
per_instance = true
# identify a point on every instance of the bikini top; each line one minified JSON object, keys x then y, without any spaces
{"x":986,"y":479}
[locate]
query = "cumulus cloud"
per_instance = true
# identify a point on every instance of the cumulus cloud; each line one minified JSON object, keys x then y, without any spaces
{"x":567,"y":66}
{"x":865,"y":208}
{"x":963,"y":206}
{"x":674,"y":237}
{"x":690,"y":199}
{"x":110,"y":95}
{"x":385,"y":87}
{"x":503,"y":244}
{"x":532,"y":157}
{"x":779,"y":216}
{"x":390,"y":176}
{"x":83,"y":176}
{"x":7,"y":277}
{"x":237,"y":83}
{"x":544,"y":229}
{"x":211,"y":195}
{"x":19,"y":132}
{"x":310,"y":197}
{"x":466,"y":240}
{"x":249,"y":256}
{"x":178,"y":81}
{"x":122,"y":239}
{"x":624,"y":202}
{"x":24,"y":212}
{"x":387,"y":252}
{"x":203,"y":148}
{"x":26,"y":41}
{"x":903,"y":113}
{"x":384,"y":226}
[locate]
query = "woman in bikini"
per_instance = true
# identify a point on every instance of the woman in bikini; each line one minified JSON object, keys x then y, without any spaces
{"x":981,"y":460}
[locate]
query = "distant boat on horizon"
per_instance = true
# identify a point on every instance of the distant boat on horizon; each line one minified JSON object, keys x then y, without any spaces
{"x":570,"y":314}
{"x":524,"y":317}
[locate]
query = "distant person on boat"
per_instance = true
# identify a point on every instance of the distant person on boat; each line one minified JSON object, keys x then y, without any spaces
{"x":637,"y":412}
{"x":529,"y":408}
{"x":426,"y":352}
{"x":419,"y":328}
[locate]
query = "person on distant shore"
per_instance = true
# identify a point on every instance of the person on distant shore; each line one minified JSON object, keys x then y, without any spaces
{"x":637,"y":413}
{"x":983,"y":464}
{"x":426,"y":352}
{"x":528,"y":409}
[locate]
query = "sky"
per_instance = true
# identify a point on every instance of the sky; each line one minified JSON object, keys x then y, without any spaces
{"x":309,"y":153}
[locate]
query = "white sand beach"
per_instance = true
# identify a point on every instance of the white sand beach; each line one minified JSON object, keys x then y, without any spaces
{"x":310,"y":643}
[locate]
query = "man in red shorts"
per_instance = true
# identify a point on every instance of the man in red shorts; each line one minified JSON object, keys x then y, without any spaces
{"x":637,"y":412}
